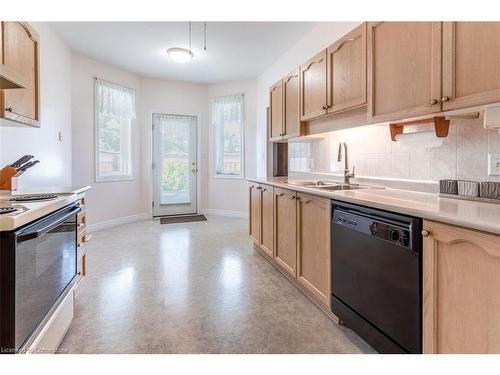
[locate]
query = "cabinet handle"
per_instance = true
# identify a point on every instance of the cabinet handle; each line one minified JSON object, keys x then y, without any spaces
{"x":9,"y":109}
{"x":263,"y":190}
{"x":307,"y":201}
{"x":280,"y":194}
{"x":293,"y":197}
{"x":426,"y":233}
{"x":433,"y":101}
{"x":325,"y":107}
{"x":259,"y":187}
{"x":445,"y":99}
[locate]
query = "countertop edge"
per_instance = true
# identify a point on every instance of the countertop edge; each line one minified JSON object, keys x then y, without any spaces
{"x":387,"y":206}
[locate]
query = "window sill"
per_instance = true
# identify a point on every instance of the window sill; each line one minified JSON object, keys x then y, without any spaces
{"x":229,"y":177}
{"x":113,"y":179}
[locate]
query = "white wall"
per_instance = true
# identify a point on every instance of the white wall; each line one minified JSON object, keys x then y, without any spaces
{"x":106,"y":200}
{"x":169,"y":97}
{"x":55,"y":99}
{"x":225,"y":194}
{"x":318,"y":38}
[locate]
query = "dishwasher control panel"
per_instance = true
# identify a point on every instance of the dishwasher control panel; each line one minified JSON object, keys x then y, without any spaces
{"x":390,"y":233}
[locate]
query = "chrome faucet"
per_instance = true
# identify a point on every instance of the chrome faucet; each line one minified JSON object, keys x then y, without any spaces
{"x":347,"y":174}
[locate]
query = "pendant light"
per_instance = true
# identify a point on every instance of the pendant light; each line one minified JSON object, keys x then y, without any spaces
{"x":181,"y":55}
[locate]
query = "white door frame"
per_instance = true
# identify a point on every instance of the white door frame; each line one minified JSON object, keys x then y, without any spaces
{"x":151,"y":156}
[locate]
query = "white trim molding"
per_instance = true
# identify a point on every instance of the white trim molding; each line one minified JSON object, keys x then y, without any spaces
{"x":226,"y":213}
{"x":118,"y":221}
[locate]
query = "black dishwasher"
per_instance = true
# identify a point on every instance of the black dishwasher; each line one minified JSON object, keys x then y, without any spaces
{"x":376,"y":276}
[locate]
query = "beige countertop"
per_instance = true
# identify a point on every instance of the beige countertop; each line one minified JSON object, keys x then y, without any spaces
{"x":469,"y":214}
{"x":29,"y":211}
{"x":47,"y":190}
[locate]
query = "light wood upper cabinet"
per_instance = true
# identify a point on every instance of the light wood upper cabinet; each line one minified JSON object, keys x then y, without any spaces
{"x":404,"y":69}
{"x":285,"y":230}
{"x":254,"y":209}
{"x":267,"y":219}
{"x":291,"y":101}
{"x":471,"y":64}
{"x":346,"y":61}
{"x":276,"y":111}
{"x":461,"y":290}
{"x":313,"y":245}
{"x":20,"y":45}
{"x":313,"y":87}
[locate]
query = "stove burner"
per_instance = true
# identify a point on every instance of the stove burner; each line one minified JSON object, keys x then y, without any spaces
{"x":7,"y":210}
{"x":29,"y":198}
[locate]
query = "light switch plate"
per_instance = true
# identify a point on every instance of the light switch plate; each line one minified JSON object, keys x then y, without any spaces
{"x":493,"y":164}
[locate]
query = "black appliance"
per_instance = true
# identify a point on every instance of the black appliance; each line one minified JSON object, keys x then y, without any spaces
{"x":37,"y":268}
{"x":377,"y":276}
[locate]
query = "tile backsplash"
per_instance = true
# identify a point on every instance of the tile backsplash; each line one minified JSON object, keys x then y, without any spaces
{"x":462,"y":155}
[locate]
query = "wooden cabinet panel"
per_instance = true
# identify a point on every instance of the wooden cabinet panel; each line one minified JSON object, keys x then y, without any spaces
{"x":254,"y":209}
{"x":346,"y":82}
{"x":313,"y":246}
{"x":291,"y":104}
{"x":20,"y":44}
{"x":404,"y":69}
{"x":276,"y":111}
{"x":461,"y":290}
{"x":471,"y":64}
{"x":267,"y":220}
{"x":285,"y":230}
{"x":313,"y":87}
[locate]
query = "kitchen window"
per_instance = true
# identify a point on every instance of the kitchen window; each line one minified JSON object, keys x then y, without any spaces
{"x":228,"y":131}
{"x":114,"y":118}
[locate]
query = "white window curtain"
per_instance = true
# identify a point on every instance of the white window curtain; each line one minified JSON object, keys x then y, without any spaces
{"x":228,"y":130}
{"x":115,"y":114}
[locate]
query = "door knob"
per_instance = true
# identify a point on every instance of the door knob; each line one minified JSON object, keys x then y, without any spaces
{"x":426,"y":233}
{"x":433,"y":101}
{"x":445,"y":99}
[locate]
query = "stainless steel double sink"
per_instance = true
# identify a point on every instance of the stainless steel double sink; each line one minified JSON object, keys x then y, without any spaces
{"x":330,"y":185}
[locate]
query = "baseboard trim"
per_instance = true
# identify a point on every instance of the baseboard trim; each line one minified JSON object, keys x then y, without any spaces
{"x":226,"y":213}
{"x":118,"y":221}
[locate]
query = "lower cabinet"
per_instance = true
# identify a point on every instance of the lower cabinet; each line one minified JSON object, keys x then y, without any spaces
{"x":261,"y":217}
{"x":461,"y":291}
{"x":285,"y":230}
{"x":294,"y":230}
{"x":313,"y":245}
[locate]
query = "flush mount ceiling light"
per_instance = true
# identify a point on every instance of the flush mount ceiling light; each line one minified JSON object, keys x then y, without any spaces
{"x":180,"y":55}
{"x":183,"y":55}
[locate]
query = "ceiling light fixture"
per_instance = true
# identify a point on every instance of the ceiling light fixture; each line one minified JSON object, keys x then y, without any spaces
{"x":181,"y":55}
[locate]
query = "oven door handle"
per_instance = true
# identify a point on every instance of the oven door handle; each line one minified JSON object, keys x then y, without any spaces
{"x":21,"y":237}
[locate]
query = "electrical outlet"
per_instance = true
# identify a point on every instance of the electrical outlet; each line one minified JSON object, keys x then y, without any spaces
{"x":494,"y":164}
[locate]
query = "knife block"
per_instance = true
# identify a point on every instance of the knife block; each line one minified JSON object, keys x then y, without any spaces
{"x":8,"y":180}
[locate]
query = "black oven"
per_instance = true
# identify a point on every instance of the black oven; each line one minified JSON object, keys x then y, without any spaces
{"x":37,"y":266}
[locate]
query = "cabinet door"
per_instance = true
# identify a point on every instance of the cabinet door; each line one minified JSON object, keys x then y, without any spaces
{"x":267,"y":222}
{"x":313,"y":246}
{"x":461,"y":274}
{"x":276,"y":111}
{"x":21,"y":54}
{"x":346,"y":81}
{"x":285,"y":230}
{"x":313,"y":87}
{"x":291,"y":105}
{"x":254,"y":209}
{"x":471,"y":64}
{"x":404,"y":69}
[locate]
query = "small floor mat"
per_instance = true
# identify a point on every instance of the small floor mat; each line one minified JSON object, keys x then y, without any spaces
{"x":182,"y":219}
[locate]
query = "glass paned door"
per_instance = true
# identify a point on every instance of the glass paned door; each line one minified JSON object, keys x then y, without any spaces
{"x":175,"y":169}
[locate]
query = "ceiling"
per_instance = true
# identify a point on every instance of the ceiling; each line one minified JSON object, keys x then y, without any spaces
{"x":235,"y":50}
